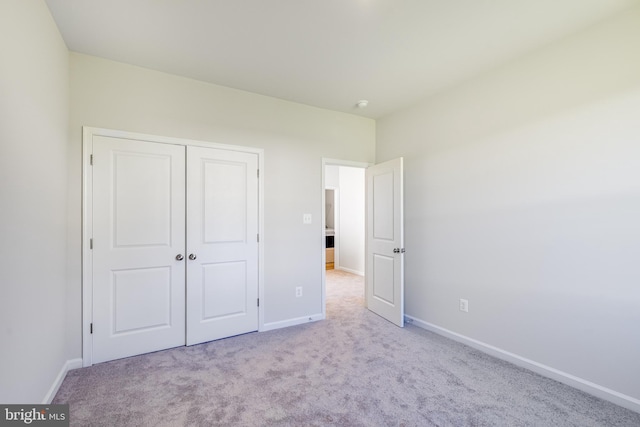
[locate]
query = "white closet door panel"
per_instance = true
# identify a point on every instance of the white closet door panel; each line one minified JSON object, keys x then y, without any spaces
{"x":222,"y":227}
{"x":138,"y":229}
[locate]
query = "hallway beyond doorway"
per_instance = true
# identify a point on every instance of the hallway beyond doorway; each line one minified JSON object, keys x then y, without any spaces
{"x":344,"y":290}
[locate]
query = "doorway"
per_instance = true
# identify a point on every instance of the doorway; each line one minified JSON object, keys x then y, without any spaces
{"x":343,"y":222}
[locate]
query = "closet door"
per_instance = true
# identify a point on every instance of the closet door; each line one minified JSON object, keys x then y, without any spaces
{"x":222,"y":245}
{"x":138,"y":238}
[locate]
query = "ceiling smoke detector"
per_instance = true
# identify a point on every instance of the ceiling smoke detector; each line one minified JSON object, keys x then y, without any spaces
{"x":362,"y":104}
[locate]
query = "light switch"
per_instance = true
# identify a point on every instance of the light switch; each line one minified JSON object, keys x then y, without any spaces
{"x":306,"y":218}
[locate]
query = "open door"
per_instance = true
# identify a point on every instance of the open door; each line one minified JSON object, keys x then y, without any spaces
{"x":384,"y":276}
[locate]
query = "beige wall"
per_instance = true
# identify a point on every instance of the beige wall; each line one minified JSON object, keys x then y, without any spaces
{"x":523,"y":196}
{"x":34,"y":107}
{"x":294,"y":137}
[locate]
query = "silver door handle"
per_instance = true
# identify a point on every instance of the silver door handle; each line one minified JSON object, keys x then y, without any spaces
{"x":192,"y":256}
{"x":179,"y":257}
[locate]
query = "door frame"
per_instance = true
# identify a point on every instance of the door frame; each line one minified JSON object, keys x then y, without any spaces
{"x":323,"y":258}
{"x":87,"y":219}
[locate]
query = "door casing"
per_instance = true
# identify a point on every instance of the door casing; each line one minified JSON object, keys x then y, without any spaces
{"x":87,"y":219}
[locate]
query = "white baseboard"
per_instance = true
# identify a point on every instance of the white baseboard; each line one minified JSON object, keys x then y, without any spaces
{"x":544,"y":370}
{"x":348,"y":270}
{"x":292,"y":322}
{"x":68,"y":366}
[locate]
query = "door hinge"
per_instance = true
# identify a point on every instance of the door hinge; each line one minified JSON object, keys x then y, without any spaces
{"x":258,"y":173}
{"x":91,"y":328}
{"x":258,"y":237}
{"x":91,"y":160}
{"x":258,"y":302}
{"x":90,"y":243}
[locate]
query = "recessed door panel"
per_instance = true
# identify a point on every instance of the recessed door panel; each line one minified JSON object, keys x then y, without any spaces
{"x":383,"y":206}
{"x":225,"y":201}
{"x":224,"y":291}
{"x":138,"y":229}
{"x":383,"y":283}
{"x":141,"y":199}
{"x":141,"y":287}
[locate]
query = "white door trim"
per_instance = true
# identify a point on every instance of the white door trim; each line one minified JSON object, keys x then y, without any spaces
{"x":87,"y":219}
{"x":330,"y":162}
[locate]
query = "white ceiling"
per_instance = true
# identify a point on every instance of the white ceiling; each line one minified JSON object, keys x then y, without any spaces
{"x":325,"y":53}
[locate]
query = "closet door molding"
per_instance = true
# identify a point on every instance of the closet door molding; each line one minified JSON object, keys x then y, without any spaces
{"x":91,"y":133}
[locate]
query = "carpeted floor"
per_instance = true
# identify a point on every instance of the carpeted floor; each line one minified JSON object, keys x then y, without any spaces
{"x":353,"y":369}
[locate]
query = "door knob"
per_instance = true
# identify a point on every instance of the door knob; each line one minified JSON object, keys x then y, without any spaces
{"x":192,"y":256}
{"x":179,"y":257}
{"x":396,"y":250}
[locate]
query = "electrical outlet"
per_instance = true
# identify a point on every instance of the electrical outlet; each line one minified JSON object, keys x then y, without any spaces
{"x":464,"y":305}
{"x":306,"y":218}
{"x":298,"y":291}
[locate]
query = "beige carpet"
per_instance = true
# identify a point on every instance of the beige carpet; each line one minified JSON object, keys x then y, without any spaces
{"x":353,"y":369}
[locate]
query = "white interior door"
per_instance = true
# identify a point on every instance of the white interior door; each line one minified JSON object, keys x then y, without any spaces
{"x":385,"y":241}
{"x":222,"y":242}
{"x":138,"y":229}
